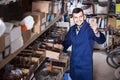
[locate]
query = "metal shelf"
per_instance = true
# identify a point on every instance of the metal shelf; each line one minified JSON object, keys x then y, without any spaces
{"x":33,"y":37}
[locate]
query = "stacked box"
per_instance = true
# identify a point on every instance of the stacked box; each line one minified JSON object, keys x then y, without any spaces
{"x":27,"y":63}
{"x":26,"y":35}
{"x":2,"y":43}
{"x":16,"y":39}
{"x":39,"y":19}
{"x":42,"y":6}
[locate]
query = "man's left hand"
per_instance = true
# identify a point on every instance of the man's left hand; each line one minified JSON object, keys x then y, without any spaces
{"x":94,"y":25}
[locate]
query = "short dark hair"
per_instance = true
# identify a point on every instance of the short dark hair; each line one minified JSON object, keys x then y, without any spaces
{"x":77,"y":10}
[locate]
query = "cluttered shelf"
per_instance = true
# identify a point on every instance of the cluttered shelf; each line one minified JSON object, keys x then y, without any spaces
{"x":33,"y":37}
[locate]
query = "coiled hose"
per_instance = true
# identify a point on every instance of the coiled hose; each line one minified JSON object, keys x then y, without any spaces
{"x":112,"y":58}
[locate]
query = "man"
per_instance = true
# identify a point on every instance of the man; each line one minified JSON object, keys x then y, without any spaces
{"x":82,"y":36}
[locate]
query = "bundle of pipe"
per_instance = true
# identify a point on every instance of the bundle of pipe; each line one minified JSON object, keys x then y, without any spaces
{"x":113,"y":58}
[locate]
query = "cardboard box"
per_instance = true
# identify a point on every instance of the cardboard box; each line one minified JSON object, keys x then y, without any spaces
{"x":55,"y":7}
{"x":7,"y":51}
{"x":7,"y":40}
{"x":47,"y":16}
{"x":15,"y":33}
{"x":47,"y":23}
{"x":40,"y":51}
{"x":112,"y":22}
{"x":26,"y":35}
{"x":39,"y":28}
{"x":1,"y":56}
{"x":43,"y":27}
{"x":64,"y":60}
{"x":39,"y":19}
{"x":57,"y":14}
{"x":59,"y":68}
{"x":52,"y":54}
{"x":16,"y":44}
{"x":42,"y":6}
{"x":9,"y":27}
{"x":2,"y":43}
{"x":63,"y":24}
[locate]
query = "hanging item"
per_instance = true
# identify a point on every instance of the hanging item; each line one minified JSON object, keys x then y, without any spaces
{"x":2,"y":27}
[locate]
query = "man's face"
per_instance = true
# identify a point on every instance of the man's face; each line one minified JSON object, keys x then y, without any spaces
{"x":78,"y":18}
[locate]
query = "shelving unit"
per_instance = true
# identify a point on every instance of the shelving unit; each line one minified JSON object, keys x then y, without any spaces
{"x":100,"y":16}
{"x":33,"y":37}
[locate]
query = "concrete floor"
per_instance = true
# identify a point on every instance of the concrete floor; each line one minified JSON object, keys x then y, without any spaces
{"x":102,"y":71}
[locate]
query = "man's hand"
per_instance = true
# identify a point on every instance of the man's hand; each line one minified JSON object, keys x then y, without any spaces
{"x":94,"y":25}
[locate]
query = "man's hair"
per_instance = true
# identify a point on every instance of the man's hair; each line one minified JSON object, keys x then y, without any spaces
{"x":77,"y":10}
